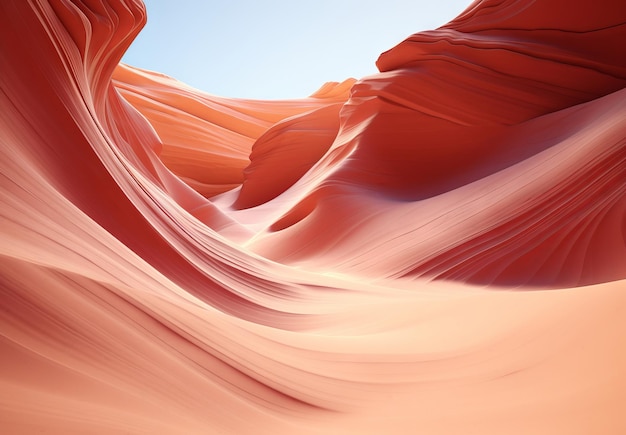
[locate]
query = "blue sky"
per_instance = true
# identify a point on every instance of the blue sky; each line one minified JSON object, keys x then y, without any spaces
{"x":277,"y":48}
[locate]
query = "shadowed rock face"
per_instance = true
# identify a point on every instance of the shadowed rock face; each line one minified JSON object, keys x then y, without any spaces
{"x":178,"y":262}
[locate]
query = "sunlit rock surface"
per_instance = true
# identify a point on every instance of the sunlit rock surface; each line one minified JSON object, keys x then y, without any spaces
{"x":438,"y":248}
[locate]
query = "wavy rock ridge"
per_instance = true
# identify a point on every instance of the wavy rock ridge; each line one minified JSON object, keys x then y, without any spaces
{"x":351,"y":262}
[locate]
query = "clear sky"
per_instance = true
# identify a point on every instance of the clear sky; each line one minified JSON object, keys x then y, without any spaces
{"x":273,"y":49}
